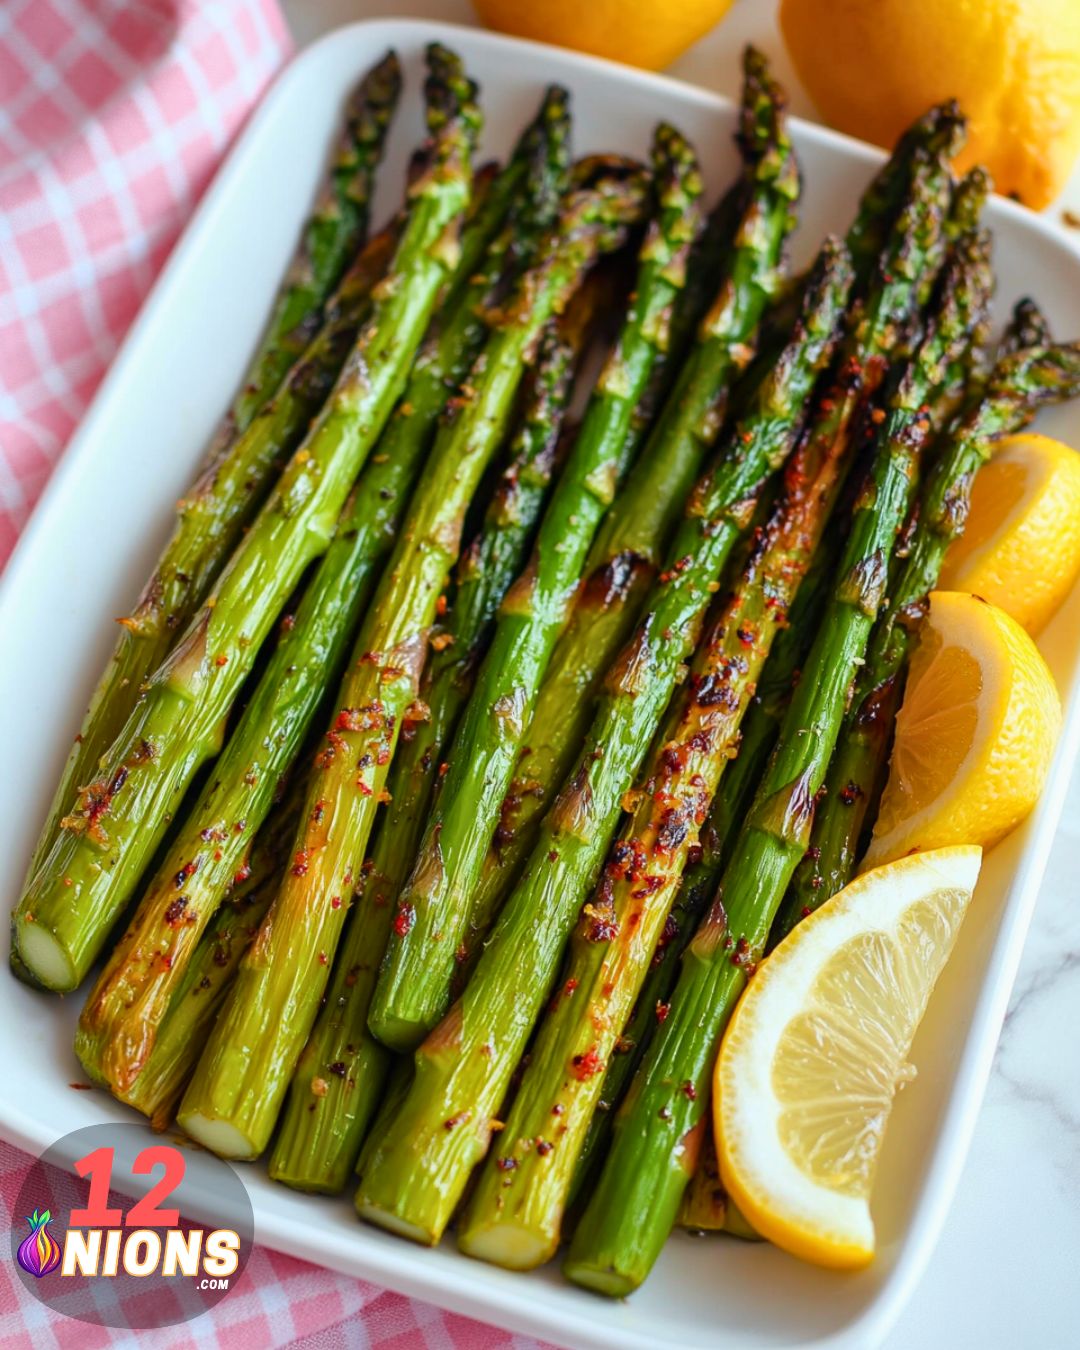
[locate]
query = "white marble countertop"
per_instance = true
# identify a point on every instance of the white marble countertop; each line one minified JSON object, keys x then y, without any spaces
{"x":1006,"y":1273}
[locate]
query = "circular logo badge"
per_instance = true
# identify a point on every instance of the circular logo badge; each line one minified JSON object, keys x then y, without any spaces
{"x":121,"y":1230}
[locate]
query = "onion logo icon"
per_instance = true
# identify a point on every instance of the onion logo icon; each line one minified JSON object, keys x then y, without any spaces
{"x":39,"y":1251}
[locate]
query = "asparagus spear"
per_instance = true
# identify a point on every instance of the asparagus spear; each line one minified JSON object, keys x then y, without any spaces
{"x":414,"y":987}
{"x":233,"y":1099}
{"x":658,"y":1134}
{"x":610,"y":601}
{"x":334,"y":232}
{"x":415,"y":1171}
{"x":939,"y":132}
{"x":117,"y":1028}
{"x":757,"y":736}
{"x":514,"y":1216}
{"x":706,"y":1206}
{"x":341,"y":1072}
{"x":114,"y":825}
{"x":730,"y":804}
{"x":1021,"y":382}
{"x":208,"y":976}
{"x":563,"y":705}
{"x":240,"y":471}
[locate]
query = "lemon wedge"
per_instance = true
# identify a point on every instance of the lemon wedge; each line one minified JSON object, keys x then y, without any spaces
{"x":974,"y":736}
{"x":817,"y":1049}
{"x":1021,"y":546}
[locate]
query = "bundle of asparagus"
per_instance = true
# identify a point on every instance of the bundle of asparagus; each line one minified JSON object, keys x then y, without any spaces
{"x":601,"y":705}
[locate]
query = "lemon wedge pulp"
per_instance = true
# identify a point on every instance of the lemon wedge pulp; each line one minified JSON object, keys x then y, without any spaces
{"x":817,"y":1048}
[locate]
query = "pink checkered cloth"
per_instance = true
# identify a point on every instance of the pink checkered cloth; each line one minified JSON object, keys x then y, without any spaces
{"x":278,"y":1301}
{"x":114,"y":115}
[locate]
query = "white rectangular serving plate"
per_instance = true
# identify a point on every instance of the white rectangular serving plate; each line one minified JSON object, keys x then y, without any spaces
{"x":100,"y":525}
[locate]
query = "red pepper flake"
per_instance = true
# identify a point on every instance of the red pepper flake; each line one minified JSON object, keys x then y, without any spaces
{"x":335,"y":902}
{"x":175,"y":912}
{"x":664,"y":1113}
{"x":365,"y":790}
{"x":444,"y":769}
{"x":689,"y":1091}
{"x":349,"y":719}
{"x":323,"y":959}
{"x":288,"y":623}
{"x":662,"y":1010}
{"x":300,"y":863}
{"x":318,"y":811}
{"x":417,"y":711}
{"x":543,"y":1148}
{"x":188,"y":870}
{"x":221,"y":660}
{"x":506,"y":1164}
{"x":587,"y":1065}
{"x":603,"y":927}
{"x":669,"y":934}
{"x":243,"y":874}
{"x":673,"y":758}
{"x":628,"y":858}
{"x":455,"y":1121}
{"x":334,"y":742}
{"x":404,"y":920}
{"x":558,"y":1109}
{"x":441,"y":606}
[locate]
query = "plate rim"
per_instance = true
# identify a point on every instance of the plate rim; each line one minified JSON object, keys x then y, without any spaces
{"x":393,"y":1265}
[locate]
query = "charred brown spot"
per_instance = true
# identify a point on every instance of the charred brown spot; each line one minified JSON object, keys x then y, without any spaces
{"x":572,"y":810}
{"x":632,"y":668}
{"x":611,"y":583}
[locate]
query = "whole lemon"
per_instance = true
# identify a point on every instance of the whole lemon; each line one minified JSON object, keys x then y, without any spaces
{"x":649,"y":33}
{"x":872,"y":66}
